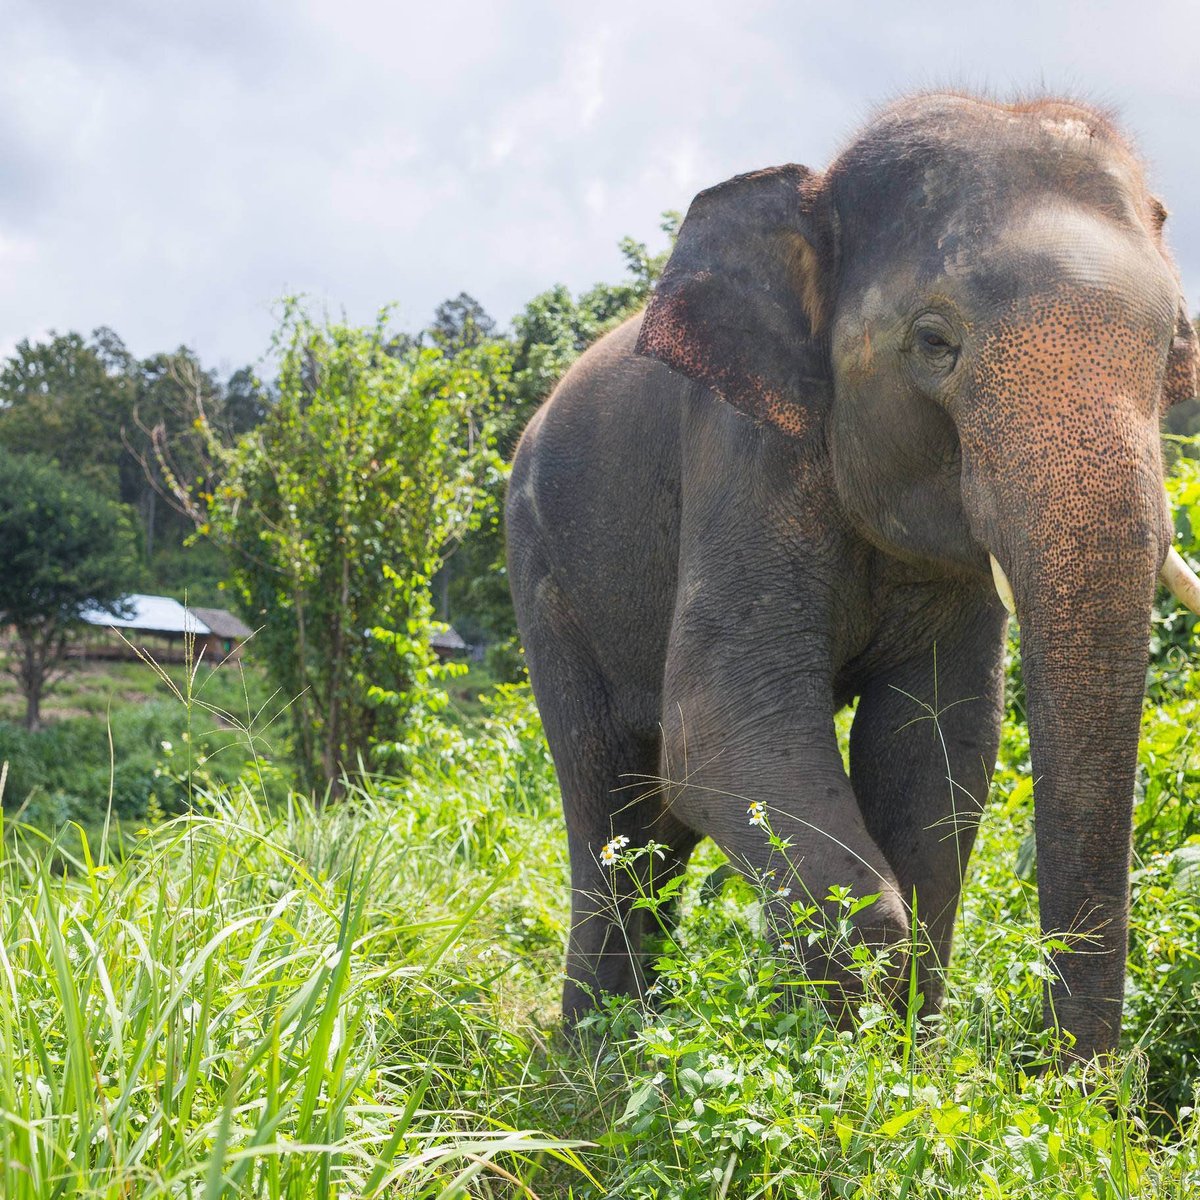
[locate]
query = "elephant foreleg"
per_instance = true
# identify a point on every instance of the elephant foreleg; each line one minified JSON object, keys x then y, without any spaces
{"x":922,"y":750}
{"x":773,"y":794}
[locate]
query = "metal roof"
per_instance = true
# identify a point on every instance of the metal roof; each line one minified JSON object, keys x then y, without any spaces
{"x":222,"y":622}
{"x":450,"y":640}
{"x":153,"y":614}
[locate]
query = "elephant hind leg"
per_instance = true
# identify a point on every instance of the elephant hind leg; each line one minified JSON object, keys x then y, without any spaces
{"x":616,"y":798}
{"x":607,"y":766}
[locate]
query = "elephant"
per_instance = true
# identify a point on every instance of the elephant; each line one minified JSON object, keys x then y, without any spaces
{"x":865,"y":412}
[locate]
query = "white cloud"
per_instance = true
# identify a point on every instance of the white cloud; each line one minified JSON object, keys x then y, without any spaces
{"x":170,"y":170}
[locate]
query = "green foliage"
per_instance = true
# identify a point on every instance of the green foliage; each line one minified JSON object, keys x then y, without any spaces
{"x":461,"y":324}
{"x":64,"y":547}
{"x":270,"y":1000}
{"x":336,"y":512}
{"x":126,"y":428}
{"x":66,"y":400}
{"x":279,"y":1000}
{"x":128,"y":751}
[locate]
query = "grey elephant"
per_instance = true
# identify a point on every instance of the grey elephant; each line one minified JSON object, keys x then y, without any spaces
{"x":862,"y":409}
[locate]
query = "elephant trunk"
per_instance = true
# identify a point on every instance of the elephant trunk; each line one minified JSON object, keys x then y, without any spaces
{"x":1063,"y":485}
{"x":1084,"y":652}
{"x":1083,"y":566}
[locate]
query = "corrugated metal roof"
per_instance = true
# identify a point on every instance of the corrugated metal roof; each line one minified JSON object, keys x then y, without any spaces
{"x":222,"y":622}
{"x":450,"y":640}
{"x":151,"y":614}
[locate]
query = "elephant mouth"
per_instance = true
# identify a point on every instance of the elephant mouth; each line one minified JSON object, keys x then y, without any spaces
{"x":1178,"y":578}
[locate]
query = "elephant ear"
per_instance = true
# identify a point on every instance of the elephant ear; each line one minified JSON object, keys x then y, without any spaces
{"x":743,"y":301}
{"x":1179,"y":383}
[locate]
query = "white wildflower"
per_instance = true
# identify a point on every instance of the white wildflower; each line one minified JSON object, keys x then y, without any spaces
{"x":610,"y":850}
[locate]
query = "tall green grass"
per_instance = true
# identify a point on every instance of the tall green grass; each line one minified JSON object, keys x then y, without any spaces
{"x":278,"y":1000}
{"x":259,"y":1002}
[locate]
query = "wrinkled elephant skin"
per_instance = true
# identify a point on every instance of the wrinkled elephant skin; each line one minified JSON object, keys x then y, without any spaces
{"x":855,"y":400}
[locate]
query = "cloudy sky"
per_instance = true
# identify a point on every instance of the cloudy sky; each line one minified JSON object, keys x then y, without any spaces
{"x":172,"y":167}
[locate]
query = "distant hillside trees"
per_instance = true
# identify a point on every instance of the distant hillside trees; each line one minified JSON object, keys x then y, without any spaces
{"x":460,"y":324}
{"x":65,"y":547}
{"x":66,"y":399}
{"x":111,"y":420}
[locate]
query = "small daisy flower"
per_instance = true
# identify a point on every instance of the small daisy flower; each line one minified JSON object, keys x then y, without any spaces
{"x":610,"y":850}
{"x":783,"y":892}
{"x":654,"y":989}
{"x":758,"y":815}
{"x":787,"y":948}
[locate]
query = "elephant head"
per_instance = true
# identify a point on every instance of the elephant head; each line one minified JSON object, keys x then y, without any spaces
{"x":972,"y":313}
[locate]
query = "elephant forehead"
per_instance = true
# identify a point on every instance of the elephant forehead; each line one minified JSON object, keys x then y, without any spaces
{"x":942,"y":182}
{"x":1052,"y":242}
{"x":1062,"y":422}
{"x":1067,"y":379}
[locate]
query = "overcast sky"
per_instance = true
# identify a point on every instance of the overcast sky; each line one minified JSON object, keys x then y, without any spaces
{"x":172,"y":167}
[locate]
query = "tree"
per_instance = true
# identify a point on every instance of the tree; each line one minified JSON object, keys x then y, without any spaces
{"x":247,"y":402}
{"x":104,"y":416}
{"x":336,"y":512}
{"x":67,"y":400}
{"x":65,"y":547}
{"x":170,"y":389}
{"x":460,"y":324}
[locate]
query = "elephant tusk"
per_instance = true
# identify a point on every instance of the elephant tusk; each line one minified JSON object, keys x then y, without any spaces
{"x":1179,"y":578}
{"x":1003,"y":587}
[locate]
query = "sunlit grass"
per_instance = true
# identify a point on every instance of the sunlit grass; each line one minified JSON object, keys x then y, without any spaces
{"x":271,"y":999}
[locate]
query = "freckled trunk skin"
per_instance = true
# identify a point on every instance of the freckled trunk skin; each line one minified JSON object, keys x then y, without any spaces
{"x":1084,"y":698}
{"x":1084,"y":602}
{"x":1080,"y":532}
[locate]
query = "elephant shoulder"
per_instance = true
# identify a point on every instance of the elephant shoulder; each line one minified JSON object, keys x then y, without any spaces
{"x":610,"y":403}
{"x":611,"y":371}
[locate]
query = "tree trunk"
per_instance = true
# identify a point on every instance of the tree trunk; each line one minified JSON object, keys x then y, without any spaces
{"x":35,"y":646}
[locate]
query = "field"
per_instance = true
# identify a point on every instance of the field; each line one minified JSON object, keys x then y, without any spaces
{"x":211,"y":986}
{"x":261,"y":998}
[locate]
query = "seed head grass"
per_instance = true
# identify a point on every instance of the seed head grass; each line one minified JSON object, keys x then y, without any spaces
{"x":268,"y":997}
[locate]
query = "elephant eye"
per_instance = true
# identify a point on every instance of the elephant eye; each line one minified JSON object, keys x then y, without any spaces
{"x":932,"y":339}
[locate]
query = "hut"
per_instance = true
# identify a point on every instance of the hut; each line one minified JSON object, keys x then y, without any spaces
{"x":156,"y":624}
{"x":162,"y":627}
{"x":448,"y":644}
{"x":226,"y":635}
